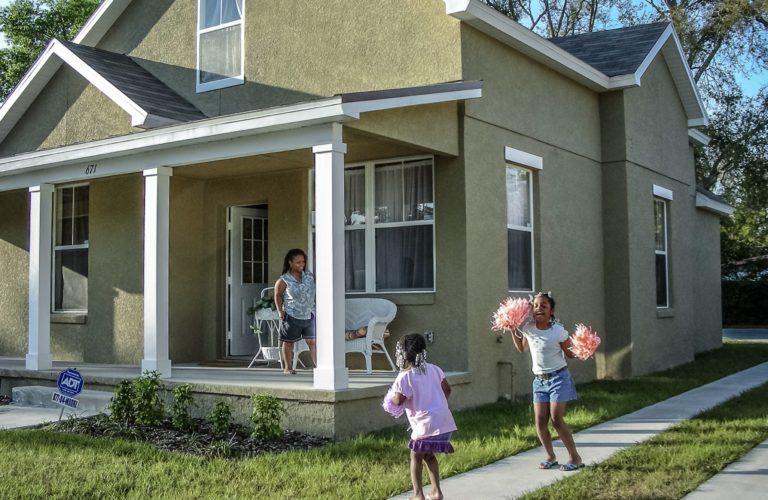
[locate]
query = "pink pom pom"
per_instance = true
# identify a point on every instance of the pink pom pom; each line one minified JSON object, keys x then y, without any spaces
{"x":511,"y":314}
{"x":584,"y":342}
{"x":390,"y":407}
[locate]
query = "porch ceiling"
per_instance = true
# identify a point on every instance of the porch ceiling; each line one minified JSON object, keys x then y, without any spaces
{"x":361,"y":146}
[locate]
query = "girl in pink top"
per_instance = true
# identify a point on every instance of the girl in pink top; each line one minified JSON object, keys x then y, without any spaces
{"x":421,"y":387}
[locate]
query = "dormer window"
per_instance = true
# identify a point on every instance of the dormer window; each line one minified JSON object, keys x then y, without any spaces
{"x":219,"y":44}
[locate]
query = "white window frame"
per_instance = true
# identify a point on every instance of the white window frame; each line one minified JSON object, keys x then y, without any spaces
{"x":370,"y":229}
{"x":529,"y":163}
{"x":57,"y":248}
{"x":665,"y":252}
{"x":224,"y":82}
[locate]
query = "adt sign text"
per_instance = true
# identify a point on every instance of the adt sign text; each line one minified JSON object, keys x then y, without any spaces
{"x":70,"y":382}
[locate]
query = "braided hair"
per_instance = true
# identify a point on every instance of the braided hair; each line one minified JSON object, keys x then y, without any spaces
{"x":411,"y":352}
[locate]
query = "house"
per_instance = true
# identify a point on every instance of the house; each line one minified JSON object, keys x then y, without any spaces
{"x":154,"y":171}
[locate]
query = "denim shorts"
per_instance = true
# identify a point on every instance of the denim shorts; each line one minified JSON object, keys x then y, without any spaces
{"x":292,"y":330}
{"x":558,"y":388}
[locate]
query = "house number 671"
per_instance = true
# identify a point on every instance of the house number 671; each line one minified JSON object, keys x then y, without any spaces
{"x":90,"y":169}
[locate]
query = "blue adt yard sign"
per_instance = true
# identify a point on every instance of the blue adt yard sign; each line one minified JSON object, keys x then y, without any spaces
{"x":70,"y":384}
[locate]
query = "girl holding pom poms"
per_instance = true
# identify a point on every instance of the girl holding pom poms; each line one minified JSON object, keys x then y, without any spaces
{"x":553,"y":385}
{"x":421,"y":387}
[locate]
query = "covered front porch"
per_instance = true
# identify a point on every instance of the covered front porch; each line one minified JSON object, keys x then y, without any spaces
{"x":310,"y":137}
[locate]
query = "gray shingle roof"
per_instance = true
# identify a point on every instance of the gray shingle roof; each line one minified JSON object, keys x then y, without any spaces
{"x":614,"y":52}
{"x":137,"y":83}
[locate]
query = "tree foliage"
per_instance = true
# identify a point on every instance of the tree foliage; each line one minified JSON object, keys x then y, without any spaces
{"x":722,"y":40}
{"x":28,"y":26}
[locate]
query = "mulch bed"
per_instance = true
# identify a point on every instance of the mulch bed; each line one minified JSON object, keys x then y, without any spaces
{"x":199,"y":441}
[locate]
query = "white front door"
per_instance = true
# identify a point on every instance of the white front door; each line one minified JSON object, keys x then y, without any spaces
{"x":247,"y":275}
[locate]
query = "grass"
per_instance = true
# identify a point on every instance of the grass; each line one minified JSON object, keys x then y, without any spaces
{"x":675,"y":462}
{"x":50,"y":465}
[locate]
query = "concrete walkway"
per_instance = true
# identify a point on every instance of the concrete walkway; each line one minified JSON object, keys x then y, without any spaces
{"x":516,"y":475}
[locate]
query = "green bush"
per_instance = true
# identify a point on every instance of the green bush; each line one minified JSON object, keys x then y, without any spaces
{"x":121,"y":407}
{"x":219,"y":418}
{"x":266,"y":415}
{"x":181,"y":412}
{"x":745,"y":303}
{"x":149,"y":406}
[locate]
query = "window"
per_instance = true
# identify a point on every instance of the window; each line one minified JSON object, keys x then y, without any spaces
{"x":519,"y":229}
{"x":389,"y":226}
{"x":219,"y":44}
{"x":70,"y":251}
{"x":662,"y":257}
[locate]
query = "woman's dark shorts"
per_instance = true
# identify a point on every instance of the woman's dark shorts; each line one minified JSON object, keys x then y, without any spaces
{"x":292,"y":329}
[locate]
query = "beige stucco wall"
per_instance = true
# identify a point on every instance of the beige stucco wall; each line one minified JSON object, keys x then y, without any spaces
{"x":639,"y":338}
{"x":708,"y":310}
{"x":67,"y":111}
{"x":116,"y":271}
{"x":14,"y":272}
{"x":523,"y":100}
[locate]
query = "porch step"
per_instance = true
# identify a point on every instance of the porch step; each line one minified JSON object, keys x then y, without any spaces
{"x":90,"y":401}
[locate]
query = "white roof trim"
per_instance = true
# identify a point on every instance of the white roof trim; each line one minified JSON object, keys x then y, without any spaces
{"x":355,"y":108}
{"x":100,"y":21}
{"x":502,"y":28}
{"x":706,"y":203}
{"x":138,"y":114}
{"x":662,"y":192}
{"x":512,"y":155}
{"x":698,"y":137}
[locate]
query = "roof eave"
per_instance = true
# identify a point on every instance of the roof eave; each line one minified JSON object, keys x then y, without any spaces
{"x":706,"y":203}
{"x":100,"y":21}
{"x":506,"y":30}
{"x":296,"y":116}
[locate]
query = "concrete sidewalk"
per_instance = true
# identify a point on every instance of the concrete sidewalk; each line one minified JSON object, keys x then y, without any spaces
{"x":516,"y":475}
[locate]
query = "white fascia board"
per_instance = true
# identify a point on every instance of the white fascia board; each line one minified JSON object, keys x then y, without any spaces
{"x":355,"y":108}
{"x":698,"y":137}
{"x":686,"y":86}
{"x":706,"y":203}
{"x":200,"y":131}
{"x":662,"y":192}
{"x":138,"y":114}
{"x":100,"y":21}
{"x":504,"y":29}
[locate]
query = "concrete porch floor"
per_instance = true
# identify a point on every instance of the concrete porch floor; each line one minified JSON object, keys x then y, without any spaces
{"x":335,"y":414}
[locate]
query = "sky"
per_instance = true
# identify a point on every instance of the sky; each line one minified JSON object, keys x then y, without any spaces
{"x":750,"y":87}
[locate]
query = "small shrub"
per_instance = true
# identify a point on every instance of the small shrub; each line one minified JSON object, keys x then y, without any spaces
{"x":121,"y":407}
{"x":149,"y":406}
{"x":219,"y":418}
{"x":266,"y":415}
{"x":181,"y":416}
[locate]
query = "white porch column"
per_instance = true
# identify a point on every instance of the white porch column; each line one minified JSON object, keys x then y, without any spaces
{"x":157,"y":182}
{"x":331,"y":372}
{"x":40,"y":232}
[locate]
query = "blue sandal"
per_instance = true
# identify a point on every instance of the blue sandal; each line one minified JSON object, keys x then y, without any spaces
{"x":547,"y":464}
{"x":571,"y":467}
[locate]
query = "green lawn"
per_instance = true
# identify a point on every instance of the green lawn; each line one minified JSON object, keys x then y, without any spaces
{"x":675,"y":462}
{"x":39,"y":464}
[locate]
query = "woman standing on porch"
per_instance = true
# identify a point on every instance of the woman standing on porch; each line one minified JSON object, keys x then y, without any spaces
{"x":295,"y":302}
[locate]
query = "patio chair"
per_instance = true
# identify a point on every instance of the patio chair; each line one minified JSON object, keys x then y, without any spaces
{"x":375,"y":315}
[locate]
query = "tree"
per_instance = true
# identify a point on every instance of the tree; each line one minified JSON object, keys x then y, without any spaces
{"x":29,"y":25}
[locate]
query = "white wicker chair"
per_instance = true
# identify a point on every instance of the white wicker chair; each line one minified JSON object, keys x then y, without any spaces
{"x":375,"y":314}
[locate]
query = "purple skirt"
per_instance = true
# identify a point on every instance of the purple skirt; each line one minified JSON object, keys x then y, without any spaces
{"x":432,"y":444}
